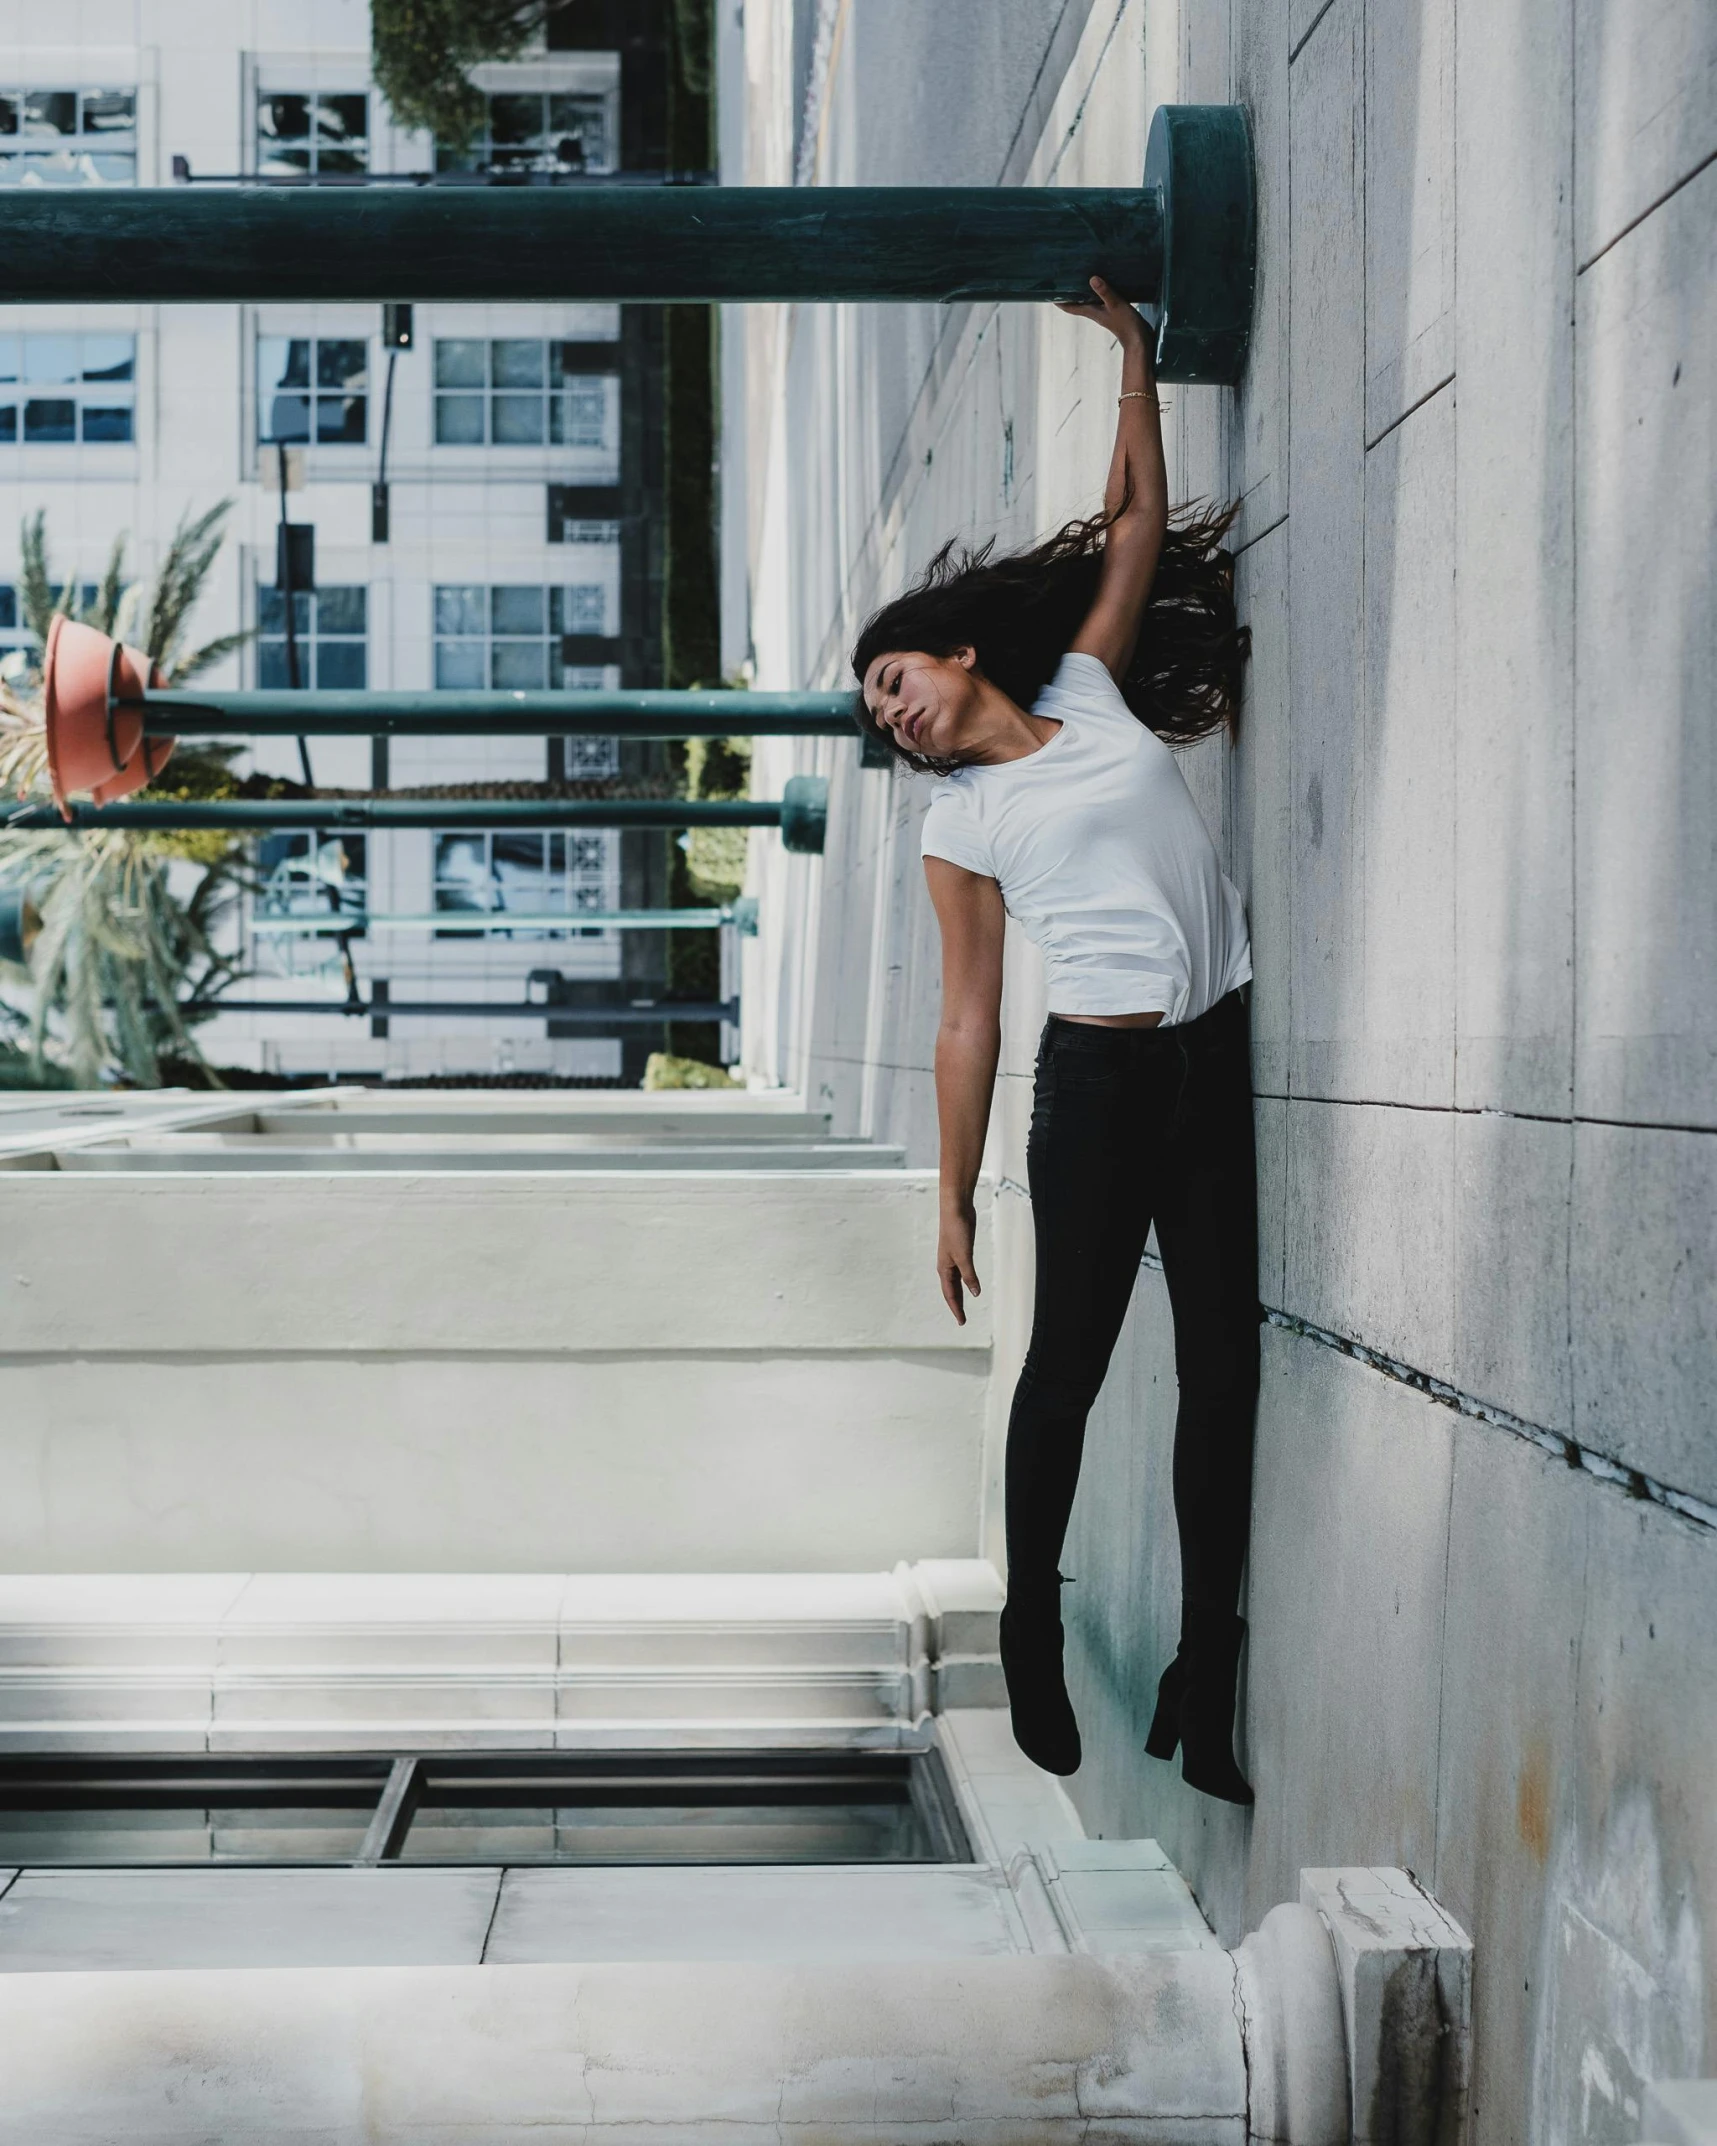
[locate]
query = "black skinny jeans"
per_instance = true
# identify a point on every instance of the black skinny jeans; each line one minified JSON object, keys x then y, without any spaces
{"x":1131,"y":1125}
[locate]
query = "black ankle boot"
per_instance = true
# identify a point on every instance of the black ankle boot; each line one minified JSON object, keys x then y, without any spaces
{"x":1212,"y":1670}
{"x":1164,"y":1737}
{"x":1031,"y":1639}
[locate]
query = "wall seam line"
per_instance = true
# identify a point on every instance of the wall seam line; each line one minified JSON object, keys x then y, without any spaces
{"x":1645,"y":214}
{"x":1558,"y":1445}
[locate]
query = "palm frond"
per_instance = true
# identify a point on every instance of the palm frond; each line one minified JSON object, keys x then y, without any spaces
{"x":123,"y":968}
{"x":206,"y":657}
{"x":103,"y":614}
{"x":35,"y":584}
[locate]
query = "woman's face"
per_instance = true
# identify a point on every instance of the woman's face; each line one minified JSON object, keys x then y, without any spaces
{"x":927,"y":703}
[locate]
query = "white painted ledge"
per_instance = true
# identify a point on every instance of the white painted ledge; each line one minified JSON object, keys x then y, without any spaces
{"x":425,"y":1661}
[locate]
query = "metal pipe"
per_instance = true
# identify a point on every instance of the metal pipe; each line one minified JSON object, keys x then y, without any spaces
{"x":335,"y":923}
{"x":640,"y":1014}
{"x":301,"y":245}
{"x":801,"y":813}
{"x":598,"y":712}
{"x":360,"y":813}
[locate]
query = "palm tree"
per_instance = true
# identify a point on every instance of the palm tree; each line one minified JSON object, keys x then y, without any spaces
{"x":123,"y":967}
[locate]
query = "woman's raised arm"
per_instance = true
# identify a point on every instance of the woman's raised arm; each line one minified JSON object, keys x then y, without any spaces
{"x":968,"y":1043}
{"x":1136,"y":496}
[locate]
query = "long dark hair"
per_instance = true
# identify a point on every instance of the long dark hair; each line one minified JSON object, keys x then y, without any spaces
{"x":1021,"y":611}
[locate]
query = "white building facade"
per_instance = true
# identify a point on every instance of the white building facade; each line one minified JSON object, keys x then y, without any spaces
{"x":502,"y":429}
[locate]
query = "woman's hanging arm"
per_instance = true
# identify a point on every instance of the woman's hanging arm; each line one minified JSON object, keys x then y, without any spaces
{"x":968,"y":1044}
{"x":1136,"y":497}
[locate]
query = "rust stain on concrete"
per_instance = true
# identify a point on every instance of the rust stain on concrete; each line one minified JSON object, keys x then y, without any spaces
{"x":1532,"y":1801}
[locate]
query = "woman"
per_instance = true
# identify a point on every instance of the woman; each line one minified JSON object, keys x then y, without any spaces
{"x":1027,"y":684}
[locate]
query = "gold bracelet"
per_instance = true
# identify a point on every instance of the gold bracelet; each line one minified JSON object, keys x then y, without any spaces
{"x":1138,"y":394}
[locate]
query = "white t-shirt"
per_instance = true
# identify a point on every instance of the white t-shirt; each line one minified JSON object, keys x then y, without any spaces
{"x":1101,"y":856}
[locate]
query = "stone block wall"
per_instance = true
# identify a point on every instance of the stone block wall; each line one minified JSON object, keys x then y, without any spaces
{"x":1472,"y":809}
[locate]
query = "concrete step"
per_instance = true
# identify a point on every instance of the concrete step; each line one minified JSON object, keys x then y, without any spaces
{"x":348,"y":1151}
{"x":276,"y":1661}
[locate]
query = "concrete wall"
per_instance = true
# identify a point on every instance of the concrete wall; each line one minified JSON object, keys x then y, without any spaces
{"x":1471,"y":811}
{"x":460,"y":1372}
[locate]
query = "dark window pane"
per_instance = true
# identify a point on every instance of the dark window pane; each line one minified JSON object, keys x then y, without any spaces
{"x":516,"y":363}
{"x":286,"y":418}
{"x":109,"y":357}
{"x":282,"y":163}
{"x":516,"y":610}
{"x":271,"y":665}
{"x":515,"y":118}
{"x":106,"y":427}
{"x":342,"y":610}
{"x":518,"y":420}
{"x":9,"y":115}
{"x":8,"y":421}
{"x":517,"y":666}
{"x":340,"y":665}
{"x":50,"y":421}
{"x":459,"y":609}
{"x":459,"y":362}
{"x":283,"y":118}
{"x":342,"y":364}
{"x":270,"y":611}
{"x":461,"y":872}
{"x":341,"y":420}
{"x":109,"y":111}
{"x":335,"y":161}
{"x":459,"y":666}
{"x":8,"y":607}
{"x":51,"y":111}
{"x":343,"y":119}
{"x":459,"y":420}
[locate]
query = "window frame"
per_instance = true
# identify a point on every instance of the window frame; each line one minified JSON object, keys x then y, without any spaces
{"x":83,"y":393}
{"x":314,"y":393}
{"x":123,"y":142}
{"x":553,"y":394}
{"x":263,"y":93}
{"x":312,"y":639}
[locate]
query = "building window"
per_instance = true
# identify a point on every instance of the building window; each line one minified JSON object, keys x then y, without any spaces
{"x":331,"y":628}
{"x":556,"y":133}
{"x":68,"y":137}
{"x":311,"y":134}
{"x":521,"y":393}
{"x":60,"y":388}
{"x":312,"y":874}
{"x":312,"y":389}
{"x":16,"y":637}
{"x":506,"y":640}
{"x":509,"y":640}
{"x":537,"y":873}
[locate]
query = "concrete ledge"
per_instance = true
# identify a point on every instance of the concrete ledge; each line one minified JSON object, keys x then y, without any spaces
{"x":420,"y":1661}
{"x":609,"y":1261}
{"x":1406,"y":1976}
{"x":1008,"y":2052}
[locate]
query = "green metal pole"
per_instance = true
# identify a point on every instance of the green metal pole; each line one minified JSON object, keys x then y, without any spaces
{"x":598,"y":713}
{"x":249,"y":816}
{"x":801,"y":813}
{"x":1183,"y":243}
{"x":333,"y":924}
{"x":300,"y":245}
